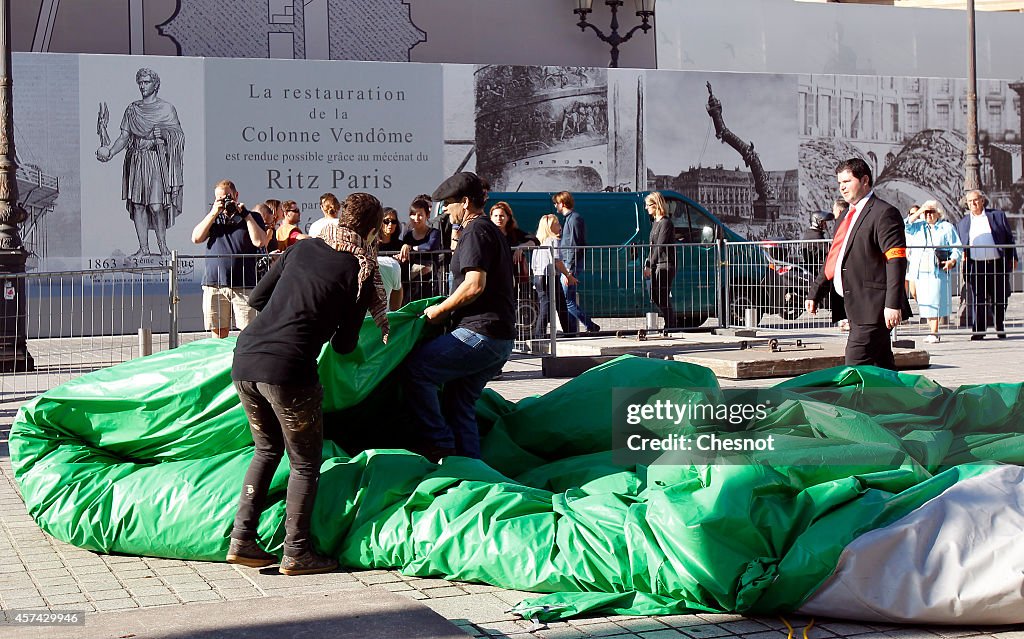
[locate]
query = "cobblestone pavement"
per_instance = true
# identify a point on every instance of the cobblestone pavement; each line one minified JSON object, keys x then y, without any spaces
{"x":40,"y":572}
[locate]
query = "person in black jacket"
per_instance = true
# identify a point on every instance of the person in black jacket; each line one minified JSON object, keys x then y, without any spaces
{"x":661,"y":264}
{"x":989,"y":258}
{"x":318,"y":290}
{"x":866,"y":265}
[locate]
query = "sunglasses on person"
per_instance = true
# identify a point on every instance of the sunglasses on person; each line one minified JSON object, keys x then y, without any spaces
{"x":389,"y":220}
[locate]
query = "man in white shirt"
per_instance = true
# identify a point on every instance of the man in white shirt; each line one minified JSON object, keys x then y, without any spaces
{"x":987,"y":267}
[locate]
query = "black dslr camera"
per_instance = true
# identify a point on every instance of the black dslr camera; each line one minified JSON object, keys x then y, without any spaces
{"x":230,"y":206}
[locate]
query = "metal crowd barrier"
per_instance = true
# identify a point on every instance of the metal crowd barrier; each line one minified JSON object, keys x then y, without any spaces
{"x":77,"y":321}
{"x":74,"y":322}
{"x":614,"y":293}
{"x":776,"y":303}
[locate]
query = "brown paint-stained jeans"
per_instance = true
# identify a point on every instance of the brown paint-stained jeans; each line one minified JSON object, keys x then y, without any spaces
{"x":282,"y":418}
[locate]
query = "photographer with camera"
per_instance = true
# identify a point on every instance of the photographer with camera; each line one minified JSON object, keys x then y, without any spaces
{"x":233,"y":237}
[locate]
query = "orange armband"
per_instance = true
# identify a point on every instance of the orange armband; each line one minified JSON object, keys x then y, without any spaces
{"x":893,"y":253}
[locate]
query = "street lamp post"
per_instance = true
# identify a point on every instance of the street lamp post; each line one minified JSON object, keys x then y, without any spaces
{"x":644,"y":10}
{"x":14,"y":355}
{"x":972,"y":174}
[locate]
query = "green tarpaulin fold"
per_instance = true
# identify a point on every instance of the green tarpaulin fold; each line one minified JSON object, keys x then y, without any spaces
{"x":148,"y":457}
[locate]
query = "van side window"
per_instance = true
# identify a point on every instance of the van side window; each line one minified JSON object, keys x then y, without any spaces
{"x":702,"y":224}
{"x":691,"y":226}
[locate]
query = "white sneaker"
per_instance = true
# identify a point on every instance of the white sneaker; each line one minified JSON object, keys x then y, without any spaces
{"x":933,"y":338}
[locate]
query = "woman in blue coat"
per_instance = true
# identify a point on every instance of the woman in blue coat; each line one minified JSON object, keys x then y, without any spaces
{"x":936,"y":253}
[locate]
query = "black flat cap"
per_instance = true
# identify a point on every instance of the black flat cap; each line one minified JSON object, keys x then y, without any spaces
{"x":460,"y":185}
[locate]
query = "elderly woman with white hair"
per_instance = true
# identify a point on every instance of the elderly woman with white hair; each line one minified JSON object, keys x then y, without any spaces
{"x":937,"y":253}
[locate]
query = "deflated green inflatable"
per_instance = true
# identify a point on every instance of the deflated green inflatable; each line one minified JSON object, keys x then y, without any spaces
{"x":148,"y":457}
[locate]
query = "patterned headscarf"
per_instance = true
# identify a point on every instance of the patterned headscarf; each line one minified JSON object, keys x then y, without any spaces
{"x":345,"y":239}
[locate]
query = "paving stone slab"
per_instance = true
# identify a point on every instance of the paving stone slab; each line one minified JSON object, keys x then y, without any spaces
{"x":561,"y":631}
{"x":642,"y":624}
{"x":479,"y":608}
{"x":57,"y":600}
{"x":707,"y":631}
{"x":109,"y":595}
{"x":240,"y":593}
{"x":776,"y":634}
{"x":157,"y":600}
{"x":741,"y":626}
{"x":115,"y":604}
{"x":449,"y":591}
{"x":604,"y":629}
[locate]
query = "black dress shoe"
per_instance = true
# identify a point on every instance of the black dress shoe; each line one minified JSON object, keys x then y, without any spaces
{"x":975,"y":338}
{"x":1001,"y":335}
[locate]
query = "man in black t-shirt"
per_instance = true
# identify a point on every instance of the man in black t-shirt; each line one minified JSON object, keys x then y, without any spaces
{"x":481,"y":310}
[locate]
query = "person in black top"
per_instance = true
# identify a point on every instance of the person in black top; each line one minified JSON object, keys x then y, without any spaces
{"x":421,"y":251}
{"x":481,"y":311}
{"x":390,"y":245}
{"x":814,"y":253}
{"x":390,"y":233}
{"x":517,"y":238}
{"x":318,"y":290}
{"x":661,"y":265}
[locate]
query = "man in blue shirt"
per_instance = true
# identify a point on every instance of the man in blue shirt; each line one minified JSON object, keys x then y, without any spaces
{"x":574,"y":238}
{"x":231,"y":233}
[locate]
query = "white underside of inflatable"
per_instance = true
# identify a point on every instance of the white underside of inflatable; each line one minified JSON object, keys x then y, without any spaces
{"x":959,"y":559}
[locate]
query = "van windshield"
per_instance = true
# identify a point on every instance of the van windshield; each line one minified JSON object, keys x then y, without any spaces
{"x":691,"y":225}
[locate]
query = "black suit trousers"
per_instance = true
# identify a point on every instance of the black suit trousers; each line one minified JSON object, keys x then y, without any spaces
{"x":869,"y":344}
{"x":988,"y":293}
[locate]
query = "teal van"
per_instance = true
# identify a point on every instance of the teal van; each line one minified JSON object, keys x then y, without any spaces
{"x":618,"y":226}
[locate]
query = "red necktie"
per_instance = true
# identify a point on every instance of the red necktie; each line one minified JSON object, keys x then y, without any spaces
{"x":837,"y":244}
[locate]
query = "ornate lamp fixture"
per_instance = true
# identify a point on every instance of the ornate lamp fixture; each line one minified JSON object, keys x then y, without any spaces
{"x":644,"y":9}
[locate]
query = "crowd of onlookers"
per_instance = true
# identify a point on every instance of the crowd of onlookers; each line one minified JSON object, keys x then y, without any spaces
{"x":980,"y":246}
{"x":414,"y":253}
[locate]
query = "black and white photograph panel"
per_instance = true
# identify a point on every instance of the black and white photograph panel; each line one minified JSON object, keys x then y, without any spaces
{"x":728,"y":141}
{"x":46,"y":145}
{"x":542,"y":128}
{"x":912,"y":133}
{"x":142,"y":153}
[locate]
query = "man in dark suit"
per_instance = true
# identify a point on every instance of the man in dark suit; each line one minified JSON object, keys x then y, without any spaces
{"x":987,"y":268}
{"x":866,"y":265}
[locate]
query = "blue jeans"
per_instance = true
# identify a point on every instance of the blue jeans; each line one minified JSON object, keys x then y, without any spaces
{"x":576,"y":314}
{"x":462,"y":361}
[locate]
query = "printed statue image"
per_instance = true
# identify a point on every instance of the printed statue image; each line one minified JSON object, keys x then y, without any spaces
{"x":154,"y":146}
